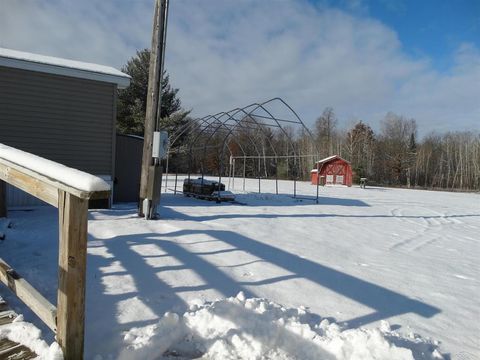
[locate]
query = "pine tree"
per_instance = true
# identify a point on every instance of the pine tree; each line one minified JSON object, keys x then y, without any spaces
{"x":132,"y":101}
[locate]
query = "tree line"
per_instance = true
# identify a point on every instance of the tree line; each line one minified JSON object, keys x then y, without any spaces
{"x":392,"y":156}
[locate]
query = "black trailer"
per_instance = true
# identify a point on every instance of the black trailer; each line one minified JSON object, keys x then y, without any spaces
{"x":206,"y":189}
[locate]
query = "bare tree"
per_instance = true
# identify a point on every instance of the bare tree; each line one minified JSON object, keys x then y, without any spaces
{"x":325,"y":131}
{"x":359,"y":148}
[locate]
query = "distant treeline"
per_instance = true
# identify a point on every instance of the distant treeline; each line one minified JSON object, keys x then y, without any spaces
{"x":392,"y":157}
{"x":395,"y":156}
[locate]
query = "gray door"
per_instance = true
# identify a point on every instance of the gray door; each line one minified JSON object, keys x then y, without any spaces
{"x":128,"y":163}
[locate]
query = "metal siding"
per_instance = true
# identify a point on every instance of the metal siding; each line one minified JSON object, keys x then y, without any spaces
{"x":17,"y":197}
{"x":63,"y":119}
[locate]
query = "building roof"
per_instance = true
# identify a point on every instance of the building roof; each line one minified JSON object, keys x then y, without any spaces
{"x":58,"y":66}
{"x":330,"y":158}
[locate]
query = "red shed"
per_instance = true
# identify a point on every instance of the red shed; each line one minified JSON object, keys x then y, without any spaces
{"x":334,"y":170}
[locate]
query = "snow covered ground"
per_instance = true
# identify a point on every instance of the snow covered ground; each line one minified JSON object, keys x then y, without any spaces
{"x":363,"y":273}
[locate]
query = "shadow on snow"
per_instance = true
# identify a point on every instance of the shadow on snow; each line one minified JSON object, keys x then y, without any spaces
{"x":160,"y":297}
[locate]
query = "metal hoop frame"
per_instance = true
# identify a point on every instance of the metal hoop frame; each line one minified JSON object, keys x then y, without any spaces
{"x":223,"y":127}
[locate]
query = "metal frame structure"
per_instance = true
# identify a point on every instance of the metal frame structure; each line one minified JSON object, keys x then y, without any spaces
{"x":219,"y":130}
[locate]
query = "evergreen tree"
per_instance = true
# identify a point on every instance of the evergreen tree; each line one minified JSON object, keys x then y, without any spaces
{"x":132,"y":101}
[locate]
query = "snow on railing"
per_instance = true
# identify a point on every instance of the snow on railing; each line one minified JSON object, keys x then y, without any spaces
{"x":68,"y":176}
{"x":69,"y":190}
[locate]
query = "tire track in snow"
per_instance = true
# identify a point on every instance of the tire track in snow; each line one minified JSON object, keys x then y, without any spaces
{"x":428,"y":234}
{"x":399,"y":216}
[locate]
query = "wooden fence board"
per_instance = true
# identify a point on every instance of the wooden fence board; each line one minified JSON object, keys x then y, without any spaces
{"x":27,"y":293}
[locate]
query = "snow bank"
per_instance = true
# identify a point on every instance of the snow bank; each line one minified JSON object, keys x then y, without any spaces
{"x":239,"y":328}
{"x":68,"y":176}
{"x":27,"y":334}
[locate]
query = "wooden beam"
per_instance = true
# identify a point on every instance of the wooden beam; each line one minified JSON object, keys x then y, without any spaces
{"x":29,"y":295}
{"x":3,"y":199}
{"x":97,"y":195}
{"x":35,"y":186}
{"x":41,"y":186}
{"x":152,"y":105}
{"x":73,"y":213}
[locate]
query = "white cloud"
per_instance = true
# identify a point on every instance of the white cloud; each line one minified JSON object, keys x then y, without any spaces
{"x":107,"y":32}
{"x":222,"y":54}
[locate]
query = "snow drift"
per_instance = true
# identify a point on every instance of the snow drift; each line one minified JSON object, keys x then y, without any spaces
{"x":27,"y":334}
{"x":239,"y":328}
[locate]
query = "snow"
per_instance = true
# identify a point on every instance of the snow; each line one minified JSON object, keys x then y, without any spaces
{"x":367,"y":273}
{"x":240,"y":328}
{"x":51,"y":64}
{"x":27,"y":334}
{"x":329,"y":158}
{"x":226,"y":195}
{"x":53,"y":170}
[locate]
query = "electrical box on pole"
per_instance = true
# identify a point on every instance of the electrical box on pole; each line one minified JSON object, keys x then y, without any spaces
{"x":160,"y":144}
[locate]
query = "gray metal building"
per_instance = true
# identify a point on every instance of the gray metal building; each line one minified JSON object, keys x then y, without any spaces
{"x":59,"y":109}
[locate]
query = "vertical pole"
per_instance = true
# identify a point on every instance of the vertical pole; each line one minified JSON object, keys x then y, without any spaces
{"x":318,"y":182}
{"x":287,"y":168}
{"x":295,"y":176}
{"x":73,"y":218}
{"x":276,"y":176}
{"x":154,"y":94}
{"x":152,"y":101}
{"x":166,"y":170}
{"x":3,"y":199}
{"x":259,"y":170}
{"x":244,"y":171}
{"x":229,"y":173}
{"x":220,"y":177}
{"x":233,"y":179}
{"x":176,"y":177}
{"x":190,"y":155}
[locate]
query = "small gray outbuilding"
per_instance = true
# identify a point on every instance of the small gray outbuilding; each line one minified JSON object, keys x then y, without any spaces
{"x":59,"y":109}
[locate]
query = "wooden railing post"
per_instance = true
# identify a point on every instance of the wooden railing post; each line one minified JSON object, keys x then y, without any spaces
{"x":73,"y":213}
{"x":3,"y":199}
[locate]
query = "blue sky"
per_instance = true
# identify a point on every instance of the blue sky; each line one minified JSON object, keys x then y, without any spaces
{"x":364,"y":58}
{"x":427,"y":28}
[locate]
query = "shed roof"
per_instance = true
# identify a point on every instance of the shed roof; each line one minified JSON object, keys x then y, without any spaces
{"x":58,"y":66}
{"x":330,"y":158}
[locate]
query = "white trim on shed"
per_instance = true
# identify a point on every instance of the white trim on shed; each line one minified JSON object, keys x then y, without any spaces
{"x":58,"y":66}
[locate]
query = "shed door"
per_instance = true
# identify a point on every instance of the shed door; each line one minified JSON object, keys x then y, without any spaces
{"x":339,"y":179}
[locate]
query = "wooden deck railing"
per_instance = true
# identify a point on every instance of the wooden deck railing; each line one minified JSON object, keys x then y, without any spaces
{"x":67,"y":319}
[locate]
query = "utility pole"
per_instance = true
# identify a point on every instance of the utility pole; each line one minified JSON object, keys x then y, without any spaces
{"x":151,"y":168}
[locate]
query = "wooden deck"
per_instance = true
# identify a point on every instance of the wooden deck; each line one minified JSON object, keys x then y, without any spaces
{"x":10,"y":350}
